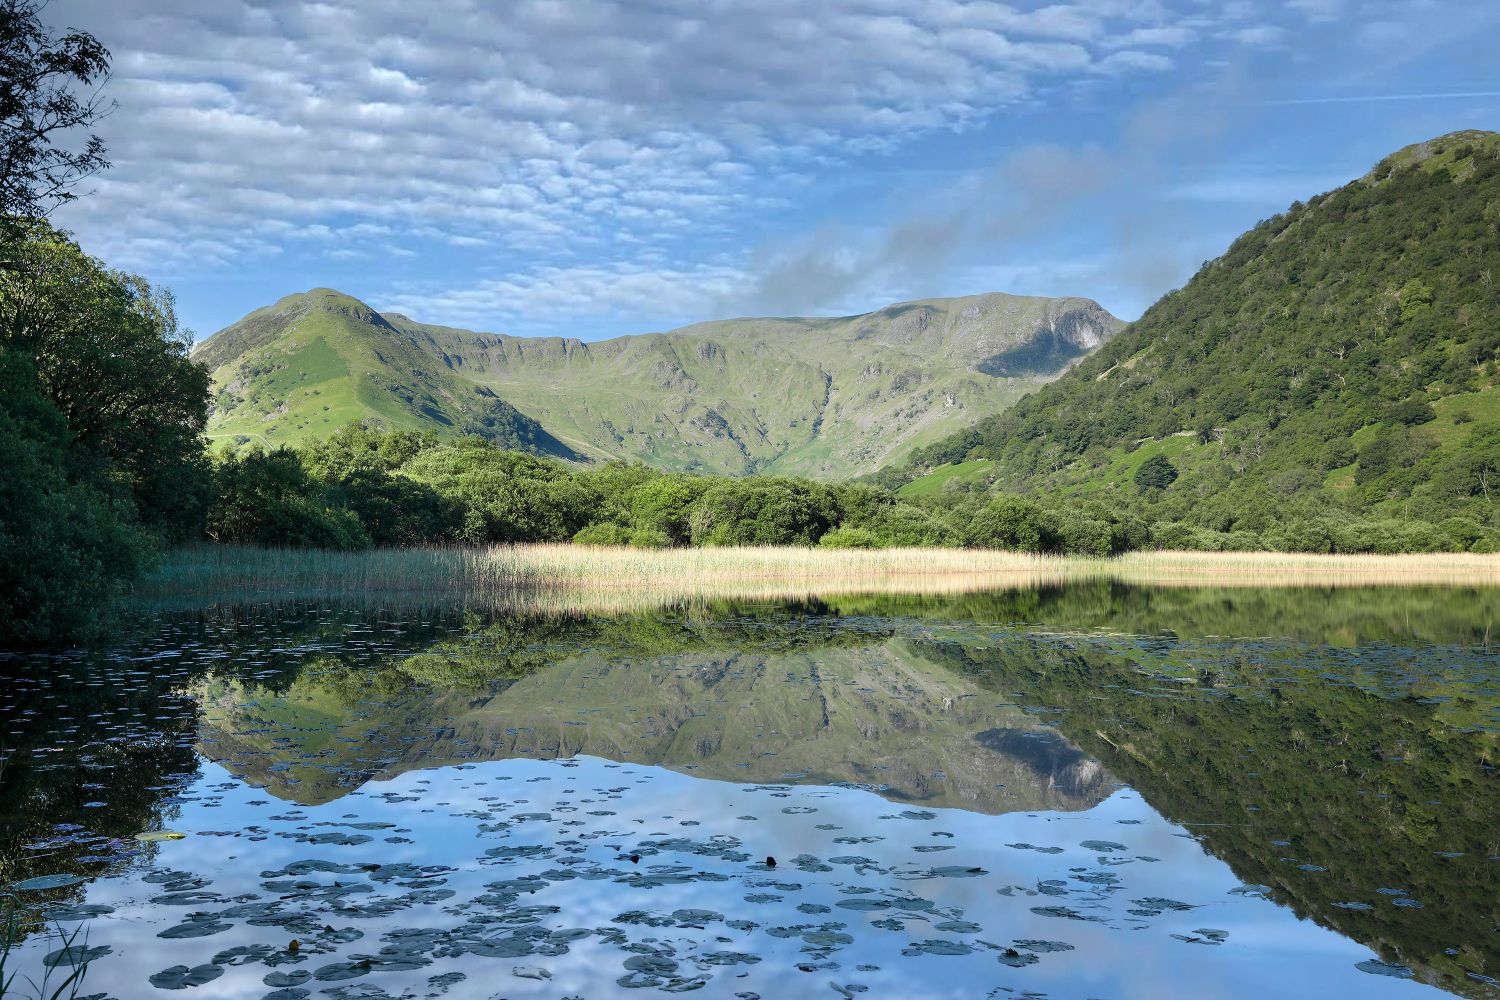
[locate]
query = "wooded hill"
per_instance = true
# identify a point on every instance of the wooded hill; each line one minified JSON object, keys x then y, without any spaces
{"x":1338,"y":359}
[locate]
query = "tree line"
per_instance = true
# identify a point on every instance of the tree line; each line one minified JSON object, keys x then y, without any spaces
{"x":363,"y":486}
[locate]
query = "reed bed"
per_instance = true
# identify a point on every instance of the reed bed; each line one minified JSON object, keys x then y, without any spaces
{"x":584,"y":579}
{"x":1293,"y":569}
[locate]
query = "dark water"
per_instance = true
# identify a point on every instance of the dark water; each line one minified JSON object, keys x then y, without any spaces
{"x":1089,"y":791}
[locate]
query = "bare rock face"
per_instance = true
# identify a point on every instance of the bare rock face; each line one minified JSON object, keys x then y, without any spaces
{"x":1068,"y":331}
{"x":1085,"y":325}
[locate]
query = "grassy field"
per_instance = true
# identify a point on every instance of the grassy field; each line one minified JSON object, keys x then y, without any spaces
{"x":975,"y":471}
{"x":587,"y":578}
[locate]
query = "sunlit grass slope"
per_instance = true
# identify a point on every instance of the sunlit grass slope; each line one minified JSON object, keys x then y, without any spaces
{"x":830,"y":397}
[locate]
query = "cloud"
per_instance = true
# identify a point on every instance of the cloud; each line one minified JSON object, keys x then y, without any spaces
{"x":990,"y":214}
{"x":571,"y":298}
{"x":438,"y":112}
{"x":569,"y":135}
{"x":1318,"y":10}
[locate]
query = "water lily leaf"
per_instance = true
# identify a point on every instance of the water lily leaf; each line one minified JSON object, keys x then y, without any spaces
{"x":41,"y":882}
{"x":75,"y":955}
{"x":180,"y":977}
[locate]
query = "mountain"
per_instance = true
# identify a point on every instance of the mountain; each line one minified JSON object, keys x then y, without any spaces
{"x":826,"y":398}
{"x":312,"y":363}
{"x":1340,"y":357}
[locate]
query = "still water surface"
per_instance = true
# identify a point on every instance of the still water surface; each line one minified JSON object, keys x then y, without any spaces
{"x":1082,"y":791}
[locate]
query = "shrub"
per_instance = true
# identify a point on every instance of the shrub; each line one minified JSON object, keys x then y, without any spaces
{"x":1009,"y":523}
{"x":617,"y":534}
{"x":761,"y":512}
{"x":849,"y":538}
{"x":603,"y":534}
{"x":1412,"y":411}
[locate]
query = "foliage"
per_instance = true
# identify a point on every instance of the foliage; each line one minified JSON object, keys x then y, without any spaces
{"x":68,"y":542}
{"x":505,"y":496}
{"x":364,"y":486}
{"x":107,"y":351}
{"x":849,"y":538}
{"x":42,"y":79}
{"x":614,"y":534}
{"x":269,"y":498}
{"x":762,"y":512}
{"x":1156,"y":473}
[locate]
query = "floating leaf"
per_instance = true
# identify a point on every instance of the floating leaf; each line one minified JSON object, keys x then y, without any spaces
{"x":180,"y":977}
{"x":41,"y":882}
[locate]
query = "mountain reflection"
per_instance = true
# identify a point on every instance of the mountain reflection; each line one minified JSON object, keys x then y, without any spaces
{"x":878,"y":715}
{"x":1348,"y":768}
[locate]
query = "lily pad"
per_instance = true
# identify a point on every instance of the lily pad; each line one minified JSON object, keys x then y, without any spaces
{"x":44,"y":882}
{"x":180,"y":977}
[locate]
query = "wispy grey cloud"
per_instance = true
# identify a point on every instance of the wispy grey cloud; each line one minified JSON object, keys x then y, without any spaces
{"x":992,"y":213}
{"x":1377,"y":98}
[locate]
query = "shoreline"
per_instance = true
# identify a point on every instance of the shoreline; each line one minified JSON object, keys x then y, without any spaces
{"x":605,"y":578}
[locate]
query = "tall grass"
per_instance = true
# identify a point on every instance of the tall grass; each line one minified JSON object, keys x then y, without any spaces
{"x":587,"y":578}
{"x":11,"y":934}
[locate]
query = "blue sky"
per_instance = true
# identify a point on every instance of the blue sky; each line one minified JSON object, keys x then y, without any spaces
{"x":593,"y":168}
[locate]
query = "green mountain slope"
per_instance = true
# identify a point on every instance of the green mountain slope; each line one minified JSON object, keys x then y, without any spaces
{"x":315,"y":362}
{"x":821,"y":397}
{"x":1339,"y":357}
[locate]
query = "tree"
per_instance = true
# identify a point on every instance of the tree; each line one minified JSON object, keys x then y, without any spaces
{"x":268,"y":498}
{"x":1156,"y":473}
{"x":47,"y":93}
{"x":358,"y":467}
{"x":67,"y":545}
{"x":506,"y":496}
{"x":664,"y":504}
{"x":107,"y":351}
{"x":1009,"y":523}
{"x":762,"y":511}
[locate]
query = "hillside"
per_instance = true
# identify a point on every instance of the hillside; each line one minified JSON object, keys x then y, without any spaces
{"x":828,"y":398}
{"x":1338,"y":358}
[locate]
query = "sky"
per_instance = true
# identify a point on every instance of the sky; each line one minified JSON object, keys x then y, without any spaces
{"x":590,"y":168}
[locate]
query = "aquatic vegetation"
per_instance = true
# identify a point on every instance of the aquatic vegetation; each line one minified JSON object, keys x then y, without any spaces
{"x":587,"y":579}
{"x":70,"y":961}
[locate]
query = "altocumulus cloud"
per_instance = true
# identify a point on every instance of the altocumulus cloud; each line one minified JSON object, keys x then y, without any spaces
{"x":584,"y":155}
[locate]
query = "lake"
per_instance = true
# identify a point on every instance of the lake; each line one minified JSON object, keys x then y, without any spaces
{"x":1084,"y":790}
